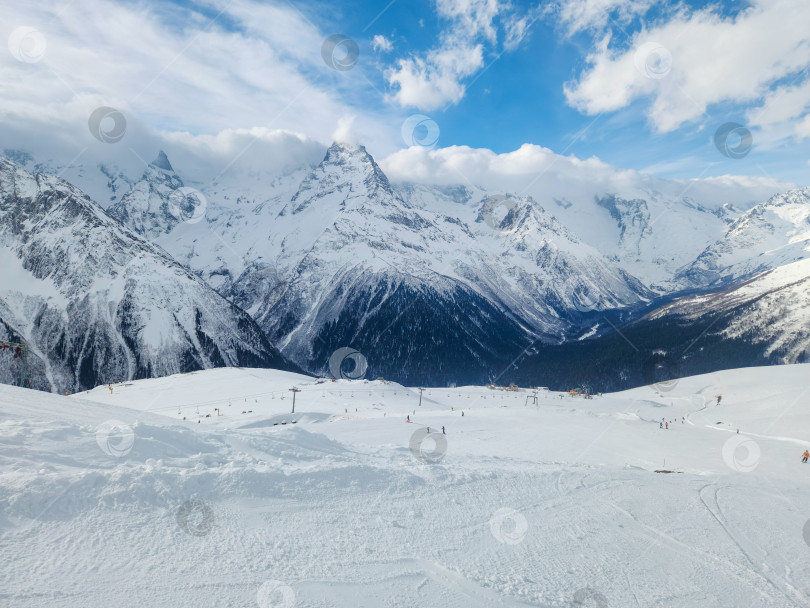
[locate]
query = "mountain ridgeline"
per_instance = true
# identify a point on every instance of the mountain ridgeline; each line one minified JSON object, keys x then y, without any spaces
{"x":97,"y":303}
{"x":433,"y":285}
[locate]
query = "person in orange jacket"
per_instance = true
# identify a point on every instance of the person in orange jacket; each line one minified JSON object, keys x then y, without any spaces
{"x":805,"y":456}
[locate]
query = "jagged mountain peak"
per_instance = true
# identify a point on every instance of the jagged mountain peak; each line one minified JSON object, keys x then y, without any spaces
{"x":345,"y":155}
{"x":162,"y":162}
{"x":343,"y":151}
{"x":346,"y":171}
{"x":800,"y":196}
{"x":153,"y":205}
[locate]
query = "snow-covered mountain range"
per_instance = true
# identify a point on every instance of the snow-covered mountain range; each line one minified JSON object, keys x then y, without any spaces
{"x":96,"y":303}
{"x":448,"y":284}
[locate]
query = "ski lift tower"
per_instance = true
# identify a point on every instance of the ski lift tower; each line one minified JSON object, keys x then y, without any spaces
{"x":20,"y":350}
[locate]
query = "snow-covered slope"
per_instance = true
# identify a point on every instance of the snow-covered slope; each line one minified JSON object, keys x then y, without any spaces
{"x":771,"y":310}
{"x":771,"y":234}
{"x":96,"y":303}
{"x":550,"y":503}
{"x":632,"y":227}
{"x":448,"y":283}
{"x":344,"y":259}
{"x":764,"y":320}
{"x":155,"y":204}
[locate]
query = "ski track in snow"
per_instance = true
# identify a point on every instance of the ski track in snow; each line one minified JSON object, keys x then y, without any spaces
{"x":337,"y":508}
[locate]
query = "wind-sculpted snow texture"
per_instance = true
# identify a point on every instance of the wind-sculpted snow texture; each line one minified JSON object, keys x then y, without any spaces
{"x":203,"y":489}
{"x":96,"y":303}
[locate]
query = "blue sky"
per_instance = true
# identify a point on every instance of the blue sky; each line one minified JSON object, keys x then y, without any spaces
{"x":640,"y":84}
{"x":518,"y":96}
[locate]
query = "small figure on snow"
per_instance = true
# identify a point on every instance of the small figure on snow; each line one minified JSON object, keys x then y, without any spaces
{"x":109,"y":386}
{"x":462,"y":413}
{"x":719,"y":397}
{"x":805,"y":456}
{"x":660,"y":425}
{"x":428,"y":429}
{"x":408,"y":418}
{"x":443,"y":430}
{"x":667,"y":426}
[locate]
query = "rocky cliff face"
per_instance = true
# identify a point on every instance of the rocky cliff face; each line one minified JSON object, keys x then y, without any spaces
{"x":97,"y":303}
{"x":443,"y":284}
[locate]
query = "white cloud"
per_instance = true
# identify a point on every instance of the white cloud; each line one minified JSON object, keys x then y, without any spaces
{"x":515,"y":30}
{"x":714,"y":59}
{"x":436,"y":78}
{"x":539,"y":172}
{"x":803,"y":128}
{"x":345,"y":131}
{"x":581,"y":15}
{"x":781,"y":105}
{"x":472,"y":18}
{"x":168,"y":68}
{"x":381,"y":43}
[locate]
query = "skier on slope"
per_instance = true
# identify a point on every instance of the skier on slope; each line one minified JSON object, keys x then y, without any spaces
{"x":443,"y":430}
{"x":667,"y":425}
{"x":805,"y":456}
{"x":660,"y":425}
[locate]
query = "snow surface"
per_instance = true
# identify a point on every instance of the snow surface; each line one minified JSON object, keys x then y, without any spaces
{"x":544,"y":504}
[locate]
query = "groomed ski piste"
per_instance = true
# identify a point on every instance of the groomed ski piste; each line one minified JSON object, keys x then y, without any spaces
{"x":204,"y":489}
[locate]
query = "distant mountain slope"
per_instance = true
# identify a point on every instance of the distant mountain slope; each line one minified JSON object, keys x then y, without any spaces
{"x":771,"y":234}
{"x":460,"y":290}
{"x":442,"y":284}
{"x":762,"y":321}
{"x":342,"y":257}
{"x":97,"y":304}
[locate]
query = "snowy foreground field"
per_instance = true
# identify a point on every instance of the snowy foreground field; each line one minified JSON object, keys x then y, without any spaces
{"x":140,"y":498}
